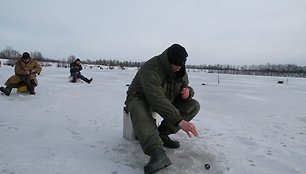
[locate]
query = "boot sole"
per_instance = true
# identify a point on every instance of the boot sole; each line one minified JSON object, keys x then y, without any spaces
{"x":152,"y":169}
{"x":4,"y":91}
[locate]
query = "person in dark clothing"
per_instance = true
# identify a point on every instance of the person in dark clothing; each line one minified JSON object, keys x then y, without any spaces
{"x":75,"y":72}
{"x":161,"y":85}
{"x":26,"y":70}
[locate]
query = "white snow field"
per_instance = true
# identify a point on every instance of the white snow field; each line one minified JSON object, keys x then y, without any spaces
{"x":248,"y":125}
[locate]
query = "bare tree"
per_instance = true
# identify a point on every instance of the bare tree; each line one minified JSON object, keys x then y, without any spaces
{"x":9,"y":53}
{"x":37,"y":55}
{"x":71,"y":59}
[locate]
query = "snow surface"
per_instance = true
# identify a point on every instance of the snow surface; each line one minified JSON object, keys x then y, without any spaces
{"x":248,"y":124}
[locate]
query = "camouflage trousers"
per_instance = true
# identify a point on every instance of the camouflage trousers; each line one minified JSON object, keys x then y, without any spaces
{"x":145,"y":126}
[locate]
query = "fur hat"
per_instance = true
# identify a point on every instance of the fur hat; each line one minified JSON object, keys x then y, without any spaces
{"x":177,"y":55}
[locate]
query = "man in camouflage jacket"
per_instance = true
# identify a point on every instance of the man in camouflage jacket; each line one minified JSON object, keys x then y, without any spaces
{"x":161,"y":85}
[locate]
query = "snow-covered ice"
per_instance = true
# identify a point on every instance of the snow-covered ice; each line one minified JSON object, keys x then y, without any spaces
{"x":248,"y":124}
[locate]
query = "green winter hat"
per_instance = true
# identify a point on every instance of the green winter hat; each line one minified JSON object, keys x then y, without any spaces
{"x":177,"y":55}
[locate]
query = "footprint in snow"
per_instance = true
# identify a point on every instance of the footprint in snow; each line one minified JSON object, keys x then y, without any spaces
{"x":269,"y":152}
{"x":252,"y":163}
{"x":283,"y":144}
{"x":75,"y":135}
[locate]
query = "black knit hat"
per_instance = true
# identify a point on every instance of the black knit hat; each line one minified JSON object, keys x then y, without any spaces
{"x":177,"y":55}
{"x":26,"y":55}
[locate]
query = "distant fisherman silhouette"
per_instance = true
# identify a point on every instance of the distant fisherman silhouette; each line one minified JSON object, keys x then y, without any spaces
{"x":75,"y":72}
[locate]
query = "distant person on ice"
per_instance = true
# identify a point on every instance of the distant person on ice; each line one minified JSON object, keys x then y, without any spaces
{"x":161,"y":85}
{"x":25,"y":72}
{"x":75,"y":72}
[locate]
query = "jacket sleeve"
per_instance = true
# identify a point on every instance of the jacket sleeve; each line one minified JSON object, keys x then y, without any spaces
{"x":75,"y":68}
{"x":186,"y":85}
{"x":37,"y":67}
{"x":156,"y":98}
{"x":18,"y":70}
{"x":72,"y":68}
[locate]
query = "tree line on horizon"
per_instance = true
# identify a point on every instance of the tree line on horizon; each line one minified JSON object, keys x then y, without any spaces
{"x":12,"y":55}
{"x":286,"y":70}
{"x":267,"y":69}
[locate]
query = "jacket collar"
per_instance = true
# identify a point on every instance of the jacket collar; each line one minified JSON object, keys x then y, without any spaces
{"x":25,"y":62}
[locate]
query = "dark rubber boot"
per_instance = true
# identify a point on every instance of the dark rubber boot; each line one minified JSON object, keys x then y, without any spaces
{"x":7,"y":90}
{"x":158,"y":161}
{"x":89,"y":81}
{"x":169,"y":143}
{"x":32,"y":87}
{"x":164,"y":131}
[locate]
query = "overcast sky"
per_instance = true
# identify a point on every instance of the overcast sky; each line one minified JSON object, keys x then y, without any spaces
{"x":233,"y":32}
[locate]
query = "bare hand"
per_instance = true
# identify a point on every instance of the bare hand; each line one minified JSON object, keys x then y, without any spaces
{"x":185,"y":93}
{"x":189,"y":128}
